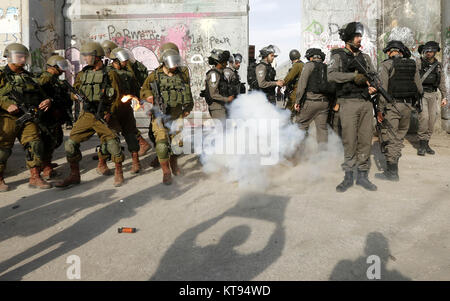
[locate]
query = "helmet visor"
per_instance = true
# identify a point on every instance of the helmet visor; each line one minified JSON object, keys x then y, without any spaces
{"x":125,"y":55}
{"x":172,"y":61}
{"x":238,"y":58}
{"x":64,"y":65}
{"x":430,"y":49}
{"x":87,"y":59}
{"x":359,"y":29}
{"x":19,"y":58}
{"x":274,"y":49}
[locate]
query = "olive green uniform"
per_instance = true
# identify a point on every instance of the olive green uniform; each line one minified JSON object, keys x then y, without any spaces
{"x":58,"y":114}
{"x":176,"y":95}
{"x":430,"y":104}
{"x":29,"y":135}
{"x":291,"y":81}
{"x":91,"y":83}
{"x":356,"y":116}
{"x":315,"y":107}
{"x":398,"y":116}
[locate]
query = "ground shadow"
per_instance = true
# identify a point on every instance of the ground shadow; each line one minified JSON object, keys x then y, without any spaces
{"x":413,"y":139}
{"x":376,"y":244}
{"x":89,"y":227}
{"x":186,"y":261}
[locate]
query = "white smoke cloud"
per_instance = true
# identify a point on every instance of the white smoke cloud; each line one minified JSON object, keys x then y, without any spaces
{"x":403,"y":34}
{"x":247,"y":168}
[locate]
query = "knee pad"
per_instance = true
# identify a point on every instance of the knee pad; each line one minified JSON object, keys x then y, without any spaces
{"x":35,"y":148}
{"x":4,"y":155}
{"x":72,"y":151}
{"x":162,"y":149}
{"x":113,"y":147}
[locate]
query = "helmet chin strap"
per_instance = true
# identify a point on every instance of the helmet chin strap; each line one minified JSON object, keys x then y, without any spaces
{"x":353,"y":46}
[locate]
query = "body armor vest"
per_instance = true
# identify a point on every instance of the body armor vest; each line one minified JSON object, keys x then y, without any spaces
{"x":270,"y":77}
{"x":174,"y":90}
{"x":95,"y":84}
{"x":401,"y":84}
{"x":350,"y":89}
{"x":127,"y":82}
{"x":23,"y":84}
{"x":223,"y":86}
{"x":234,"y":82}
{"x":434,"y":79}
{"x":318,"y":79}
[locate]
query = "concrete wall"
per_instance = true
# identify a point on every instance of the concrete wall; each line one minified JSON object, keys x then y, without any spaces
{"x":11,"y":24}
{"x":196,"y":26}
{"x":446,"y":60}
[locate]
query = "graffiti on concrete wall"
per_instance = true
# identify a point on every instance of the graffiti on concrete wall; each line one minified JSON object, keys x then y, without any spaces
{"x":194,"y":40}
{"x":9,"y":29}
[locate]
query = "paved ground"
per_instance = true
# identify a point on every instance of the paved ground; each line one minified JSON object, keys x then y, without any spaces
{"x":202,"y":228}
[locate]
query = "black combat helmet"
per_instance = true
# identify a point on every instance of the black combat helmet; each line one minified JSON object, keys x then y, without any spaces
{"x":314,"y":52}
{"x":429,"y":46}
{"x":399,"y":46}
{"x":218,"y":56}
{"x":294,"y":55}
{"x":350,"y":30}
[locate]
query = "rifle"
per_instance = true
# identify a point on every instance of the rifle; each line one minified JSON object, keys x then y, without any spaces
{"x":158,"y":108}
{"x":30,"y":114}
{"x":384,"y":124}
{"x":83,"y":99}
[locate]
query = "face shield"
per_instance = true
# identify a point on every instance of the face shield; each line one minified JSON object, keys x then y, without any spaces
{"x":87,"y":59}
{"x":64,"y":65}
{"x":273,"y":49}
{"x":429,"y":49}
{"x":19,"y":58}
{"x":124,"y":55}
{"x":172,"y":61}
{"x":359,"y":29}
{"x":238,"y":58}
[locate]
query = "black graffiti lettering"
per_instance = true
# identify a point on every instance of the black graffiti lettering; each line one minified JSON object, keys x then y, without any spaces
{"x":111,"y":31}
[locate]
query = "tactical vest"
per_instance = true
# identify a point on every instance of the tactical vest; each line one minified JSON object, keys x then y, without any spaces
{"x":270,"y":77}
{"x":401,"y":84}
{"x":223,"y":87}
{"x":140,"y":71}
{"x":233,"y":80}
{"x":127,"y":82}
{"x":174,"y":89}
{"x":291,"y":87}
{"x":96,"y":85}
{"x":349,"y":89}
{"x":251,"y":76}
{"x":434,"y":79}
{"x":24,"y":85}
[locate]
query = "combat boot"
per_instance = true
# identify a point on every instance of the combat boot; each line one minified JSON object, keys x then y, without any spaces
{"x":144,"y":146}
{"x":74,"y":177}
{"x":36,"y":181}
{"x":174,"y":165}
{"x":422,"y":148}
{"x":347,"y":183}
{"x":136,"y":165}
{"x":118,"y":175}
{"x":3,"y":186}
{"x":428,"y":148}
{"x":363,"y":180}
{"x":167,"y":175}
{"x":47,"y":171}
{"x":389,"y":173}
{"x":102,"y":167}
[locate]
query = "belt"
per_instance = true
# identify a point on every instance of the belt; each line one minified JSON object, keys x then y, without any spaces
{"x":429,"y":89}
{"x":318,"y":100}
{"x":404,"y":100}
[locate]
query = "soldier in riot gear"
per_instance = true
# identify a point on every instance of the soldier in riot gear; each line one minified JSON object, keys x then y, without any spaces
{"x":312,"y":99}
{"x":217,"y":92}
{"x":353,"y":93}
{"x":60,"y":113}
{"x":433,"y":78}
{"x":108,"y":47}
{"x":21,"y":96}
{"x":266,"y":74}
{"x":231,"y":73}
{"x":292,"y":78}
{"x":400,"y":77}
{"x":101,"y":89}
{"x":169,"y":88}
{"x":123,"y":118}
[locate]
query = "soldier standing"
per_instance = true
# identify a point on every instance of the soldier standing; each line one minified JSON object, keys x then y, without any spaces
{"x":265,"y":73}
{"x":60,"y":112}
{"x":311,"y":98}
{"x":291,"y":80}
{"x":216,"y":91}
{"x":123,"y":118}
{"x":169,"y":88}
{"x":100,"y":86}
{"x":19,"y":93}
{"x":400,"y":77}
{"x":353,"y":94}
{"x":433,"y":78}
{"x":231,"y":73}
